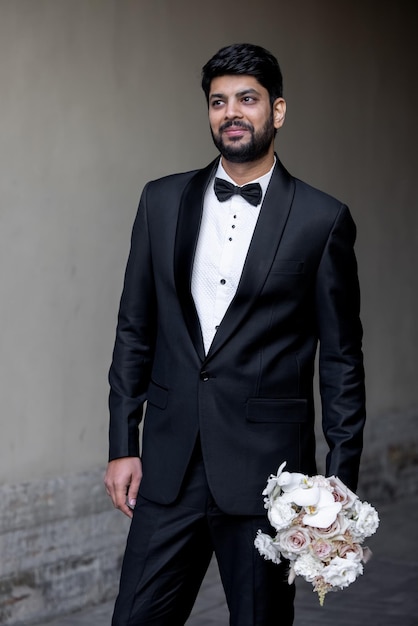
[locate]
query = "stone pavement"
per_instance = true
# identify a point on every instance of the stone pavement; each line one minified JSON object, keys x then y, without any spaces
{"x":386,"y":594}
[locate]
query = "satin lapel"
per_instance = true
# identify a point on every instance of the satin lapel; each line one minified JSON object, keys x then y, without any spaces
{"x":267,"y":234}
{"x":188,"y":224}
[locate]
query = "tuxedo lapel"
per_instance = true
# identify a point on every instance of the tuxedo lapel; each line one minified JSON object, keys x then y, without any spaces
{"x":188,"y":224}
{"x":267,"y":234}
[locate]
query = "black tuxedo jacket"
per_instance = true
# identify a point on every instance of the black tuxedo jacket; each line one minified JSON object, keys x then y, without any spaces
{"x":251,"y":396}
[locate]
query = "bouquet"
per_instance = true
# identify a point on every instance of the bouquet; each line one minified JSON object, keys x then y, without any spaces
{"x":320,"y":525}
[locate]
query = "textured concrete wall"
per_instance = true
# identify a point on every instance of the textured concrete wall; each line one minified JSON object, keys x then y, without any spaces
{"x":98,"y":96}
{"x":60,"y":547}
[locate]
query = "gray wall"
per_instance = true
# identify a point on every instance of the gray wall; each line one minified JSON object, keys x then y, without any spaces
{"x":97,"y":97}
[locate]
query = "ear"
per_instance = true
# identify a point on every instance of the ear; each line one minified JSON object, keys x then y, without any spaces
{"x":279,"y":112}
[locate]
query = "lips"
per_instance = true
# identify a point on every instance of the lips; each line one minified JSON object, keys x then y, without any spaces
{"x":234,"y":131}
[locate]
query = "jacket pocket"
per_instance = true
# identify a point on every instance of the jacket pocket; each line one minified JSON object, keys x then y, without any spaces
{"x":157,"y":395}
{"x":287,"y":266}
{"x":285,"y":411}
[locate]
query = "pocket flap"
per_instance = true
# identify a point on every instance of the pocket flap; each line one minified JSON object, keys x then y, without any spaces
{"x":284,"y":410}
{"x":157,"y":395}
{"x":287,"y":266}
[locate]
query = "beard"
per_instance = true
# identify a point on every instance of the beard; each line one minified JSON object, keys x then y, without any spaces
{"x":257,"y":147}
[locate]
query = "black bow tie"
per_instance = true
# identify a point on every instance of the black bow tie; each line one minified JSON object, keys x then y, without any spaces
{"x":224,"y":190}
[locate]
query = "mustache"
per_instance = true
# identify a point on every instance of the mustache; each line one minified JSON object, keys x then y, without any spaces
{"x":237,"y":124}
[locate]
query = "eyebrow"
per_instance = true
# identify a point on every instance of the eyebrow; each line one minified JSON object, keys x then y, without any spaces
{"x":239,"y":94}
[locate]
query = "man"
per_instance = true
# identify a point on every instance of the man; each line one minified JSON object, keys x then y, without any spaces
{"x":224,"y":302}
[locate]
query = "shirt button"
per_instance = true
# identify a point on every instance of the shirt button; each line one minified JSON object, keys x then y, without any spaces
{"x":222,"y":281}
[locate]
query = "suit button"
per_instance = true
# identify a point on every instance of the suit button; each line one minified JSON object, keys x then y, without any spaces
{"x":204,"y":376}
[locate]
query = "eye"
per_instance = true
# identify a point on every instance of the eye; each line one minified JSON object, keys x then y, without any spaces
{"x":248,"y":99}
{"x":216,"y":103}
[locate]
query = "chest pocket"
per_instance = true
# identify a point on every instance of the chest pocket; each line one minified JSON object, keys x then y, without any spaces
{"x":284,"y":266}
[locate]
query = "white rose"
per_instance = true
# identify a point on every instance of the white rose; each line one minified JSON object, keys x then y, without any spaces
{"x":267,"y":549}
{"x":307,"y":566}
{"x":281,"y":514}
{"x":366,"y":520}
{"x":341,"y":572}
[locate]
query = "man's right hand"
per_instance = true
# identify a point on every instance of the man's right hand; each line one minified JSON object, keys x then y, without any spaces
{"x":122,"y":480}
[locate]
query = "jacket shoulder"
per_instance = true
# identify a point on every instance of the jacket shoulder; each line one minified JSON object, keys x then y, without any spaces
{"x":322,"y":211}
{"x":308,"y":199}
{"x":172,"y":180}
{"x":315,"y":195}
{"x":180,"y":180}
{"x":156,"y":192}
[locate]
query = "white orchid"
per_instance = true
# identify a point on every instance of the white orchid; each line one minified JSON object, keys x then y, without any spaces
{"x":323,"y":512}
{"x":336,"y":531}
{"x":273,"y":489}
{"x":291,"y":481}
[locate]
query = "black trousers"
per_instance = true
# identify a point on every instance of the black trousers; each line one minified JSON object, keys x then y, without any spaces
{"x":168,"y":552}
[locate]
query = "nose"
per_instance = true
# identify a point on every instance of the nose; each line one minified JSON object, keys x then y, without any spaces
{"x":232,"y":109}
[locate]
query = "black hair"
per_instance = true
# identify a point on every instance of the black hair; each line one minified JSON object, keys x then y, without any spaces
{"x":246,"y":59}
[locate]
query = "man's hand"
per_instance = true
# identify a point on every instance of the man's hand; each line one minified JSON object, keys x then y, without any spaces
{"x":122,"y":480}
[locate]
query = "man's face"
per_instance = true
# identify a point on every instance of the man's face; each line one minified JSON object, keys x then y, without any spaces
{"x":241,"y":118}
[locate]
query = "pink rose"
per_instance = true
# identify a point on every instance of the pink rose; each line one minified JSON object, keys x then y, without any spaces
{"x":343,"y":549}
{"x":293,"y":541}
{"x":342,"y":493}
{"x":322,"y":548}
{"x":335,"y":531}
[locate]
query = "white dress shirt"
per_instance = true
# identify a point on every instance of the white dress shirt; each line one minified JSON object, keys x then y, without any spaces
{"x":225,"y":234}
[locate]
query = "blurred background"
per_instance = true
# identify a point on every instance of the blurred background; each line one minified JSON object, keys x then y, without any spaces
{"x":97,"y":98}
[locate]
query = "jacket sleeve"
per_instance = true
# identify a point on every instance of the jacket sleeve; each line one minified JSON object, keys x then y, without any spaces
{"x":135,"y":337}
{"x":341,"y":368}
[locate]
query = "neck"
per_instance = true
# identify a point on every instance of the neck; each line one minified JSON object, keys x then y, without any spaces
{"x":242,"y":173}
